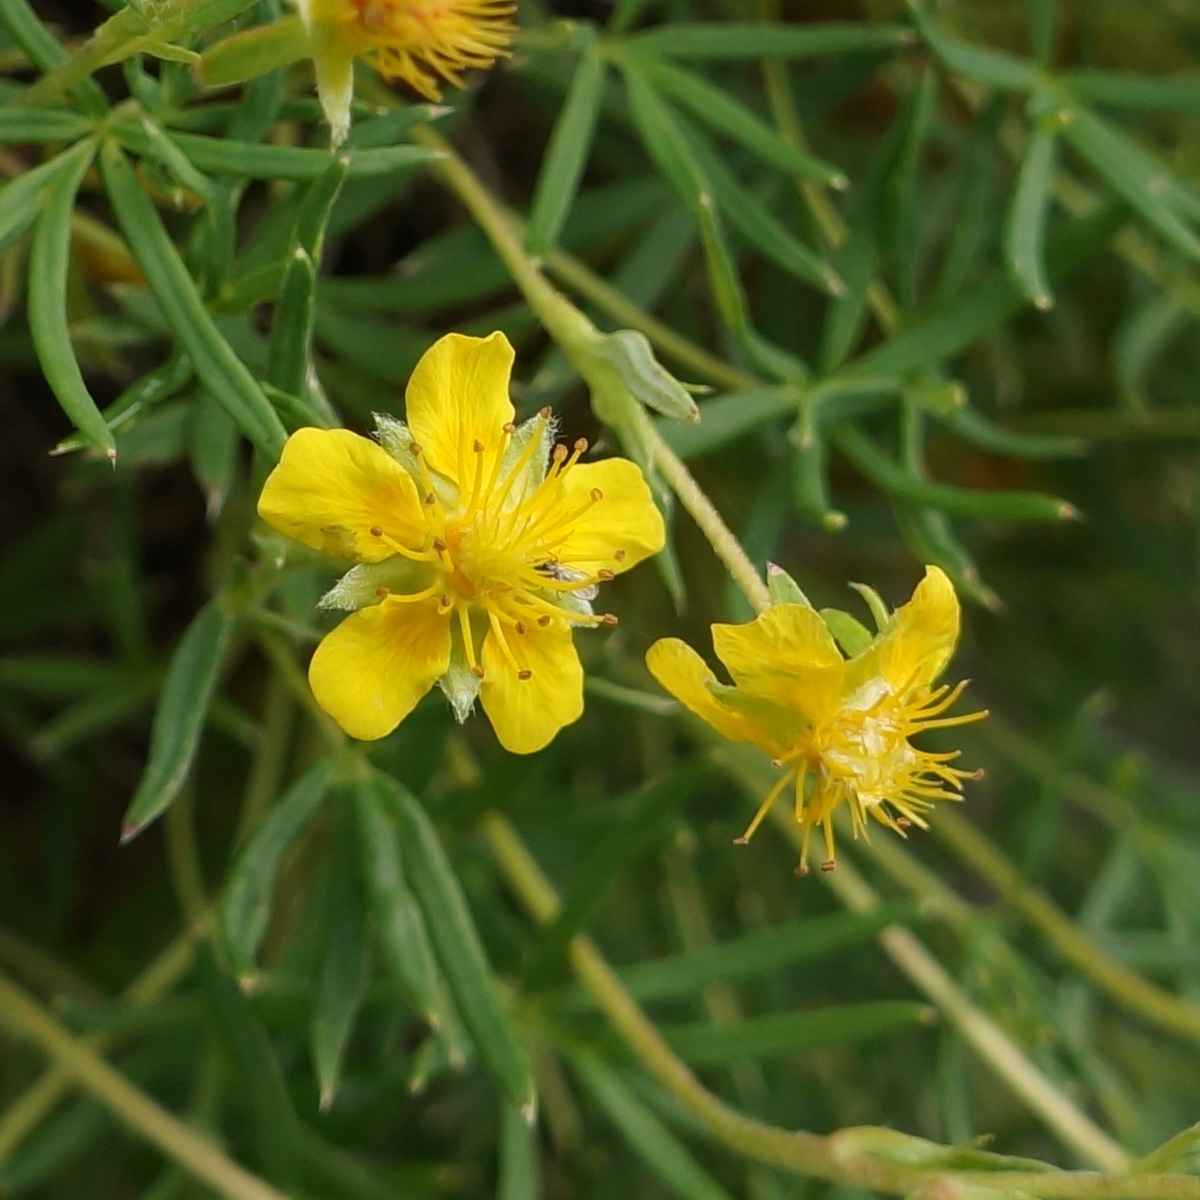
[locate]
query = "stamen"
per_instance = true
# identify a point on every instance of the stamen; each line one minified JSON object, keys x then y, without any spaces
{"x":396,"y":547}
{"x":763,"y":809}
{"x":476,"y":480}
{"x":518,"y":468}
{"x":525,"y":674}
{"x":464,"y":625}
{"x":618,"y":556}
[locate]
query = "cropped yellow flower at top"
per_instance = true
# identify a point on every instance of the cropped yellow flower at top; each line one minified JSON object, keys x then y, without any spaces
{"x":839,"y":729}
{"x":475,"y":560}
{"x":419,"y":41}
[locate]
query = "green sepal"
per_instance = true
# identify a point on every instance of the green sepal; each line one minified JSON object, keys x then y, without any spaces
{"x":783,"y":588}
{"x":460,"y":684}
{"x":630,"y":354}
{"x":849,"y":632}
{"x":252,"y":52}
{"x":360,"y":585}
{"x":874,"y":601}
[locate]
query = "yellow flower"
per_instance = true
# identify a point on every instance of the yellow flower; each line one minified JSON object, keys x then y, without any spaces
{"x":419,"y":41}
{"x":475,"y":561}
{"x":838,"y":728}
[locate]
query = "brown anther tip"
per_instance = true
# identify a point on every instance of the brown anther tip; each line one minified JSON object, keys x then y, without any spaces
{"x":609,"y":619}
{"x":430,"y":499}
{"x":777,"y":763}
{"x":545,"y":412}
{"x":477,"y":446}
{"x":618,"y":556}
{"x":581,"y":445}
{"x":596,"y":494}
{"x":439,"y":545}
{"x":520,"y":627}
{"x":477,"y":671}
{"x":525,"y":674}
{"x":414,"y":448}
{"x":508,"y":427}
{"x":605,"y":575}
{"x":446,"y":603}
{"x":801,"y":871}
{"x":559,"y":453}
{"x":977,"y":774}
{"x":903,"y":823}
{"x":377,"y":531}
{"x":382,"y":593}
{"x":543,"y":621}
{"x":828,"y":865}
{"x":741,"y":841}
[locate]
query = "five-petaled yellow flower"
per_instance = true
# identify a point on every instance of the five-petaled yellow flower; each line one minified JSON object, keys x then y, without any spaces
{"x":475,"y":560}
{"x":418,"y":41}
{"x":838,"y":728}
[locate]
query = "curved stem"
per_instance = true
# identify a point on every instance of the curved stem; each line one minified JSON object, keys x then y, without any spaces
{"x":1123,"y":985}
{"x":845,"y":1156}
{"x":576,"y":335}
{"x":138,"y":1111}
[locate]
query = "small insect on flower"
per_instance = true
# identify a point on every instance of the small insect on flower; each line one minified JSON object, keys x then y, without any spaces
{"x":837,"y":729}
{"x":421,"y":42}
{"x":480,"y":545}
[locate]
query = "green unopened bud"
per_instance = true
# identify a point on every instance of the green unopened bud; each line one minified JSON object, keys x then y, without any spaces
{"x":783,"y":588}
{"x":646,"y":379}
{"x":250,"y":53}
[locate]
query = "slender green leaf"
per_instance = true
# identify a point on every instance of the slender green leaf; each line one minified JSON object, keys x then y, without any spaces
{"x":566,"y":155}
{"x":342,"y":980}
{"x":49,"y":264}
{"x":520,"y":1175}
{"x":1145,"y":184}
{"x":215,"y":362}
{"x":252,"y":52}
{"x":661,"y":1151}
{"x":974,"y":427}
{"x":399,"y":925}
{"x":889,"y":475}
{"x":718,"y":109}
{"x":258,"y":160}
{"x":762,"y":953}
{"x":245,"y":908}
{"x":179,"y":720}
{"x":1025,"y":229}
{"x":1124,"y":89}
{"x":21,"y":198}
{"x":766,"y":40}
{"x":45,"y":51}
{"x":458,"y":949}
{"x":993,"y":68}
{"x":727,"y":418}
{"x":779,"y":1034}
{"x":21,"y":125}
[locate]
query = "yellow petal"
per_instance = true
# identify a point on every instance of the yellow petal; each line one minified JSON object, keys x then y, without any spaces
{"x":369,"y":673}
{"x":457,"y":398}
{"x":683,"y":673}
{"x":918,"y":642}
{"x":785,"y":655}
{"x":617,"y":531}
{"x":527,"y":713}
{"x":332,"y":487}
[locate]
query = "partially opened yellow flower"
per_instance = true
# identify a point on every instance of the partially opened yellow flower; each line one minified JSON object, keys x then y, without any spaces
{"x":838,"y":729}
{"x":418,"y":41}
{"x":475,"y":560}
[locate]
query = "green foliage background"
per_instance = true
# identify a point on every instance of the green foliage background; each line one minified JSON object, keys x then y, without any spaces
{"x":936,"y":268}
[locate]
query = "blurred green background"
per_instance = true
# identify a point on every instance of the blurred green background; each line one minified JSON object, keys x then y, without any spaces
{"x":886,"y":384}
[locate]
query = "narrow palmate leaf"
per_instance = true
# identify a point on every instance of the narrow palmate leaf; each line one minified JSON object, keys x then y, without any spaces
{"x":187,"y":691}
{"x":49,"y":266}
{"x":1025,"y":230}
{"x":215,"y":362}
{"x":245,"y":908}
{"x":566,"y":155}
{"x":459,"y":952}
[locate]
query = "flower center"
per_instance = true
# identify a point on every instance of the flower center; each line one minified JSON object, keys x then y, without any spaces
{"x":863,"y":757}
{"x":497,"y":547}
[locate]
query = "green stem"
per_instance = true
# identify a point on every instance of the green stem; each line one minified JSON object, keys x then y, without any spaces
{"x":577,"y":337}
{"x":844,"y":1156}
{"x":38,"y":1101}
{"x":1123,"y":985}
{"x":46,"y":972}
{"x":989,"y":1041}
{"x":138,"y":1111}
